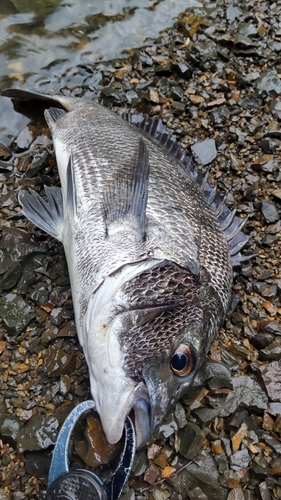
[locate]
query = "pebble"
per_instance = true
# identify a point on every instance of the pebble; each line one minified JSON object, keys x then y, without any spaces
{"x":15,"y":312}
{"x":270,"y":211}
{"x":37,"y":433}
{"x":204,"y":89}
{"x":269,"y":83}
{"x":205,"y":151}
{"x":240,"y":459}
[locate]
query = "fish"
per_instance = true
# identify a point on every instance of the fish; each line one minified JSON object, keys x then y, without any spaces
{"x":150,"y":247}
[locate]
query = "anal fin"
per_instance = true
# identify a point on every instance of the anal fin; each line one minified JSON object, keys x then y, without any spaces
{"x":127,"y":195}
{"x":46,"y":214}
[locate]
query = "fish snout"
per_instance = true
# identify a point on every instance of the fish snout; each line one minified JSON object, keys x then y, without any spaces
{"x":135,"y":403}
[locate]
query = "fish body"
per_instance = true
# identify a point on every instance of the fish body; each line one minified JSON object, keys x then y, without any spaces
{"x":150,"y":248}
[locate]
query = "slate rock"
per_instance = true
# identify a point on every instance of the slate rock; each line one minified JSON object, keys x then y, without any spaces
{"x":9,"y":429}
{"x":15,"y":312}
{"x":270,"y":211}
{"x":204,"y":151}
{"x":269,"y":83}
{"x":191,"y":440}
{"x":246,"y":392}
{"x":38,"y":433}
{"x":37,"y":463}
{"x":240,"y":459}
{"x":203,"y":475}
{"x":271,"y":375}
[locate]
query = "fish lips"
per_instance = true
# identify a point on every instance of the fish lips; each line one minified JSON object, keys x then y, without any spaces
{"x":135,"y":404}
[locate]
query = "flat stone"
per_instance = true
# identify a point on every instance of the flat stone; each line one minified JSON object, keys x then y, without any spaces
{"x":269,"y":83}
{"x":15,"y":312}
{"x":270,"y":211}
{"x":38,"y":433}
{"x":204,"y":151}
{"x":240,"y":459}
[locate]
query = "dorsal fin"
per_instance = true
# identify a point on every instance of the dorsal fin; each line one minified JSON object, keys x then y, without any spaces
{"x":231,"y":225}
{"x":127,"y":195}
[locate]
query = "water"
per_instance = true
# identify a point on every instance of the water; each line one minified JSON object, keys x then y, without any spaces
{"x":40,"y":38}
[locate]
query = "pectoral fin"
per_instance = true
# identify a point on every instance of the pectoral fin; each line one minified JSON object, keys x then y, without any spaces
{"x":46,"y":214}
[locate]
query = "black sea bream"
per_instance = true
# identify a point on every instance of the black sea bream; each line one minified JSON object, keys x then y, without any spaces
{"x":150,"y":248}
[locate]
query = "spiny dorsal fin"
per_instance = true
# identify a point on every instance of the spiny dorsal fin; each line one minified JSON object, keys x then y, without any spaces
{"x":46,"y":214}
{"x":127,"y":195}
{"x":231,"y":225}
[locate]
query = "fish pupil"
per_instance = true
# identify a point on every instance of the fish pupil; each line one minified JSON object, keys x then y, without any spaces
{"x":179,"y":361}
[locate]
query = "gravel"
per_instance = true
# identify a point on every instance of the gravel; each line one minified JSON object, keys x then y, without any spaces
{"x":214,"y":80}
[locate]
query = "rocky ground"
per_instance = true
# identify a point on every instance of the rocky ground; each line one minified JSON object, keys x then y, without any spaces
{"x":214,"y":79}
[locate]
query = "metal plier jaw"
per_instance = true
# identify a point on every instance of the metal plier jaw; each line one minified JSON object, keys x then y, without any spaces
{"x":81,"y":484}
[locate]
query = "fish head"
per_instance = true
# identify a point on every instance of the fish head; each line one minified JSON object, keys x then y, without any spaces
{"x":142,"y":351}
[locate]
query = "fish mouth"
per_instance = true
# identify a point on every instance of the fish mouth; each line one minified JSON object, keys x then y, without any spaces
{"x":139,"y":412}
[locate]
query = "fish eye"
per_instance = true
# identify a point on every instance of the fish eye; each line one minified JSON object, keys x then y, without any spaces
{"x":183,"y":360}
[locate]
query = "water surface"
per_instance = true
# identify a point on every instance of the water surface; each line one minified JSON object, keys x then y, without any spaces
{"x":40,"y":39}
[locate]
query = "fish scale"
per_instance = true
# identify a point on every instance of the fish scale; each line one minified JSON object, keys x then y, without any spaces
{"x":150,"y":247}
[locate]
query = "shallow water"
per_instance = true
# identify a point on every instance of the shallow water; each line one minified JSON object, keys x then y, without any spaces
{"x":39,"y":39}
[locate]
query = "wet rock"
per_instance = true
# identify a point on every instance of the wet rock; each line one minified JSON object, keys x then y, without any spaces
{"x":271,"y":375}
{"x":5,"y":151}
{"x":140,"y":463}
{"x":217,"y":374}
{"x":236,"y":494}
{"x":271,"y":352}
{"x":167,"y":428}
{"x":269,"y":83}
{"x":260,"y":341}
{"x":39,"y":161}
{"x":10,"y":277}
{"x":176,"y":93}
{"x":206,"y":415}
{"x":270,"y":211}
{"x":37,"y":463}
{"x":180,"y":415}
{"x":219,"y":115}
{"x":19,"y":244}
{"x":129,"y":495}
{"x":272,"y":442}
{"x":9,"y":429}
{"x":267,"y":145}
{"x":243,"y":41}
{"x":59,"y":362}
{"x":264,"y":491}
{"x":197,"y":494}
{"x":15,"y":312}
{"x":151,"y":474}
{"x":183,"y":70}
{"x":204,"y":151}
{"x":56,"y":316}
{"x":38,"y":433}
{"x":230,"y":479}
{"x":39,"y":293}
{"x":203,"y":475}
{"x":94,"y":449}
{"x":178,"y":107}
{"x":191,"y":440}
{"x":246,"y":392}
{"x":233,"y":13}
{"x":24,"y":138}
{"x":240,"y":459}
{"x":277,"y":193}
